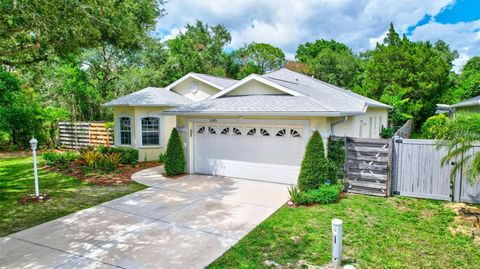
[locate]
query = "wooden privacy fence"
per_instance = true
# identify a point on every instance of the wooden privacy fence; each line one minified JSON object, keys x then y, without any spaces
{"x":417,"y":172}
{"x":368,"y":165}
{"x":75,"y":135}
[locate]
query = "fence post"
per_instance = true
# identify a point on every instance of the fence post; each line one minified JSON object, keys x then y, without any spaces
{"x":457,"y":185}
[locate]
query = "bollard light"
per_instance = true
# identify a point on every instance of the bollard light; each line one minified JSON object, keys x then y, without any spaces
{"x":33,"y":145}
{"x":337,"y":242}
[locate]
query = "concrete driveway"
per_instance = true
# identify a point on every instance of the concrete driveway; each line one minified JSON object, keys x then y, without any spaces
{"x":176,"y":223}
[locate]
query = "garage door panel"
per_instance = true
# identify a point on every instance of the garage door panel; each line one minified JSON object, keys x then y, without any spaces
{"x":228,"y":150}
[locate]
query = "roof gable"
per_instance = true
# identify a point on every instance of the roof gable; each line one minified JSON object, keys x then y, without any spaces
{"x":268,"y":87}
{"x":215,"y":82}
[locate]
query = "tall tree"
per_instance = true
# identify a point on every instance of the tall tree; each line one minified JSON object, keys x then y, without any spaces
{"x":331,"y":61}
{"x":20,"y":113}
{"x":418,"y":71}
{"x":467,"y":83}
{"x":258,"y":58}
{"x":35,"y":30}
{"x":198,"y":49}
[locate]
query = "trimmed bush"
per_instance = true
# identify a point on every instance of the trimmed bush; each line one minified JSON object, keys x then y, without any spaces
{"x":59,"y":158}
{"x":316,"y":168}
{"x":325,"y":194}
{"x":127,"y":155}
{"x":336,"y":154}
{"x":435,"y":127}
{"x":175,"y":161}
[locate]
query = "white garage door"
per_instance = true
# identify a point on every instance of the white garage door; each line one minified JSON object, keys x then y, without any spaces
{"x":255,"y":151}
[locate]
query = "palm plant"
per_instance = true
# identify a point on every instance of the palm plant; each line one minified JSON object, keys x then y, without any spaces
{"x":463,"y":132}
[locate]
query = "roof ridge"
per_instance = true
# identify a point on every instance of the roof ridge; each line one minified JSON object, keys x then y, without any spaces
{"x":219,"y":77}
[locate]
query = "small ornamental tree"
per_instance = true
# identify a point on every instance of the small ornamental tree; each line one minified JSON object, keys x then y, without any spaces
{"x":175,"y":161}
{"x":316,"y":168}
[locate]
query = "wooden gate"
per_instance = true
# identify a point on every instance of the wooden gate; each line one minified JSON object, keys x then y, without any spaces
{"x":368,"y":167}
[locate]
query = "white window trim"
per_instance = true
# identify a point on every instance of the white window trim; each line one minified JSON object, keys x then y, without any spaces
{"x":117,"y":130}
{"x":161,"y":132}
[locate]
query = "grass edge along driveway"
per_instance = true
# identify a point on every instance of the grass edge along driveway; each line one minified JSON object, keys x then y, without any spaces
{"x":396,"y":232}
{"x":67,"y":194}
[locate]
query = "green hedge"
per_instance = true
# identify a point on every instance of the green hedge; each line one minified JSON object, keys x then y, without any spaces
{"x":127,"y":155}
{"x":316,"y":169}
{"x":325,"y":194}
{"x":59,"y":158}
{"x":336,"y":154}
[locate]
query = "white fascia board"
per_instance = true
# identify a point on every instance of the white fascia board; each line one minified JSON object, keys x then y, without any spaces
{"x":141,"y":105}
{"x":267,"y":113}
{"x":259,"y":79}
{"x":192,"y":75}
{"x":471,"y":103}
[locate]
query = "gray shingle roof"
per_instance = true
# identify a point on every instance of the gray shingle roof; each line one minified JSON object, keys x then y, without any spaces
{"x":469,"y":102}
{"x":328,"y":95}
{"x":319,"y":98}
{"x":222,"y":82}
{"x":150,"y":97}
{"x":258,"y":105}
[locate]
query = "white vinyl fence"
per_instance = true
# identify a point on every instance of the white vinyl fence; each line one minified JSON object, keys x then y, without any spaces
{"x":417,"y":172}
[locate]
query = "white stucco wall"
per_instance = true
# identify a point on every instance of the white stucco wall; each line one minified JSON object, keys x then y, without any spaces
{"x":167,"y":123}
{"x":368,"y":125}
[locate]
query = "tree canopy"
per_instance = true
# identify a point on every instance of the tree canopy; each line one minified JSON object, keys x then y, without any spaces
{"x":258,"y":58}
{"x":32,"y":30}
{"x":417,"y":73}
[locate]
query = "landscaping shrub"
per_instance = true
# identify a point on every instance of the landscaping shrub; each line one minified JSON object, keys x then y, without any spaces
{"x":336,"y":154}
{"x":325,"y":194}
{"x":59,"y":158}
{"x":175,"y":161}
{"x":127,"y":155}
{"x":387,"y":132}
{"x":162,"y":157}
{"x":435,"y":127}
{"x":91,"y":158}
{"x":316,"y":168}
{"x":294,"y":194}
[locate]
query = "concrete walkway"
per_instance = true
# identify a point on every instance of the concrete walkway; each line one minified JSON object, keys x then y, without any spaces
{"x":176,"y":223}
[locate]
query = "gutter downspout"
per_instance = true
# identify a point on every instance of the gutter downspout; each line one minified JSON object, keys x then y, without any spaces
{"x":336,"y":123}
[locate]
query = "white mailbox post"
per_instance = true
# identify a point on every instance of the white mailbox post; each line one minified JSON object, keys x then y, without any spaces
{"x":337,"y":242}
{"x":33,"y":145}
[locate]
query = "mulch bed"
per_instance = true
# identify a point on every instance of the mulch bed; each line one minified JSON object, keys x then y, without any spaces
{"x":120,"y":177}
{"x":31,"y":198}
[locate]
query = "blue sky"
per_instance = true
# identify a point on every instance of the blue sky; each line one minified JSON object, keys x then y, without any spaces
{"x":358,"y":23}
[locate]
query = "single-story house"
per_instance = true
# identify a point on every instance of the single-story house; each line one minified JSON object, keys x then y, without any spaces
{"x":469,"y":105}
{"x":253,"y":128}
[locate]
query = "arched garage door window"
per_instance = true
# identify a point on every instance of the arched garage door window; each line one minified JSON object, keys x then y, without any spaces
{"x":150,"y":131}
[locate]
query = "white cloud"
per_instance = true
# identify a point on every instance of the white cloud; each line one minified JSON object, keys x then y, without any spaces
{"x":463,"y":36}
{"x":286,"y":24}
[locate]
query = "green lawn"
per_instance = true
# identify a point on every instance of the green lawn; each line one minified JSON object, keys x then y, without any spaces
{"x":378,"y":233}
{"x":67,"y":195}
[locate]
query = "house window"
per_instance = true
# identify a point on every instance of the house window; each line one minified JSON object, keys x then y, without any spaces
{"x":211,"y":130}
{"x":225,"y":131}
{"x":295,"y":133}
{"x":236,"y":131}
{"x":252,"y":131}
{"x":150,"y":131}
{"x":281,"y":133}
{"x":201,"y":130}
{"x":264,"y":132}
{"x":125,"y":131}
